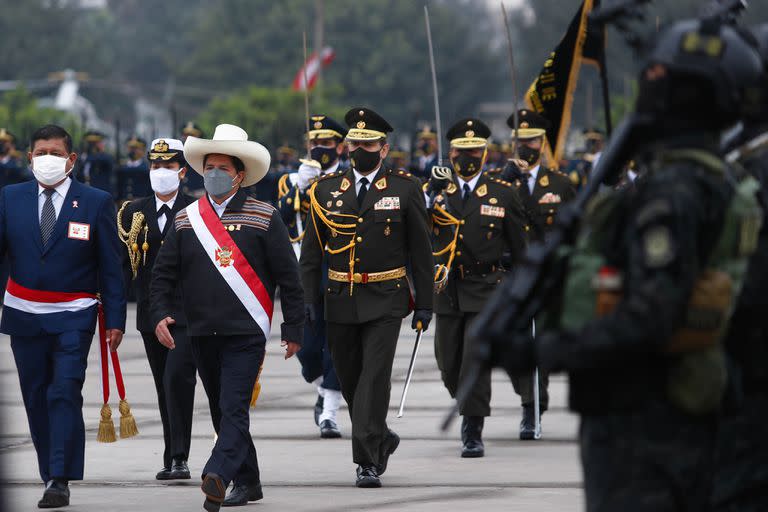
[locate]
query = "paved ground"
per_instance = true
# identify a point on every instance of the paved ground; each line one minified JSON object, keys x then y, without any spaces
{"x":300,"y":471}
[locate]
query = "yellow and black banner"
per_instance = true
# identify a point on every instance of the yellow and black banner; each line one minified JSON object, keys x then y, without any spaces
{"x":551,"y":94}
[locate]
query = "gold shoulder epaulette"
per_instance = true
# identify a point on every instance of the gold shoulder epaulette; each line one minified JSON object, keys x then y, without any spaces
{"x":502,"y":182}
{"x":282,"y":186}
{"x":330,"y":175}
{"x":401,"y":173}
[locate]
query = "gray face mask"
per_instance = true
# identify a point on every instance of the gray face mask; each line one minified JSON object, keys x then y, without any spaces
{"x":217,"y":182}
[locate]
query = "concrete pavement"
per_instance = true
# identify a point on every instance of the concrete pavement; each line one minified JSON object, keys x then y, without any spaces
{"x":301,"y":472}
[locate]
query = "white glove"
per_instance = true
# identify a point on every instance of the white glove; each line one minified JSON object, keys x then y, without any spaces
{"x":309,"y":170}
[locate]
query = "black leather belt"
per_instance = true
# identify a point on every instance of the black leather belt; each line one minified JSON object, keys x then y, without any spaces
{"x":478,"y":269}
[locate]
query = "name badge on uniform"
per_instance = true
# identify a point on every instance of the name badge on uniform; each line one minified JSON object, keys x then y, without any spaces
{"x":78,"y":231}
{"x":492,"y":211}
{"x":387,"y":203}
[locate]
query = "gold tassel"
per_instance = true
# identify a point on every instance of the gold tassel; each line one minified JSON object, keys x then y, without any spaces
{"x":106,"y":426}
{"x":128,"y":426}
{"x":255,"y":394}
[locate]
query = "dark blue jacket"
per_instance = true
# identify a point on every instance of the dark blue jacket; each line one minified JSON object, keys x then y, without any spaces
{"x":65,"y":264}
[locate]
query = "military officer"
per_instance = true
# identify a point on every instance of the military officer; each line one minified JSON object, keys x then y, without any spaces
{"x":368,"y":223}
{"x":398,"y":159}
{"x":193,"y":182}
{"x":96,"y":166}
{"x":326,"y":138}
{"x":142,"y":226}
{"x":426,"y":153}
{"x":543,"y":191}
{"x":488,"y":216}
{"x":11,"y":169}
{"x":133,"y":174}
{"x":228,"y":253}
{"x":741,"y":478}
{"x":646,"y":374}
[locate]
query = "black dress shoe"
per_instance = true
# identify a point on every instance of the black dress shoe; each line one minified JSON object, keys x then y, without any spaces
{"x":388,"y":447}
{"x":56,"y":494}
{"x":329,"y":430}
{"x":319,"y":409}
{"x":214,"y":489}
{"x":241,"y":494}
{"x":472,"y":437}
{"x":179,"y":470}
{"x":164,"y":474}
{"x":528,"y":424}
{"x":367,"y":477}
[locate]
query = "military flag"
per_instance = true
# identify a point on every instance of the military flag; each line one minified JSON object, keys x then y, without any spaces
{"x":551,"y":93}
{"x":313,"y":65}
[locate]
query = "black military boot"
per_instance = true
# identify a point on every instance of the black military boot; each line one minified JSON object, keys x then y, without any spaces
{"x":528,"y":424}
{"x":472,"y":437}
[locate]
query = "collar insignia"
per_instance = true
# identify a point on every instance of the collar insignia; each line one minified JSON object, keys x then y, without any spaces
{"x":345,"y":184}
{"x":381,"y":184}
{"x":452,"y":188}
{"x":544,"y":181}
{"x":482,"y":190}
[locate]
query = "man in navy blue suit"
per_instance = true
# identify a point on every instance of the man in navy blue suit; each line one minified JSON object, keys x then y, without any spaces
{"x":60,"y":241}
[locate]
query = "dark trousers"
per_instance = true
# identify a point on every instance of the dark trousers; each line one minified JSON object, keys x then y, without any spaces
{"x":523,"y":385}
{"x":174,"y":374}
{"x":228,"y":366}
{"x":315,"y":358}
{"x":654,"y":460}
{"x":51,"y":373}
{"x":741,"y":478}
{"x":452,"y":351}
{"x":363,"y":355}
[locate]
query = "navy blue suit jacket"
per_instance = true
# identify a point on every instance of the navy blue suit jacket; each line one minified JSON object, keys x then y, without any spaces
{"x":65,"y":264}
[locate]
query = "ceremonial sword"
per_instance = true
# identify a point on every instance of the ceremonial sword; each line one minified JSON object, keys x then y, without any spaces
{"x":419,"y":330}
{"x":513,"y":76}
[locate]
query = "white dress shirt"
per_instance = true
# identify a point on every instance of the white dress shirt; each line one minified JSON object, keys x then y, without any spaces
{"x":370,"y":177}
{"x":219,"y":208}
{"x":472,"y":183}
{"x":330,"y":169}
{"x":161,"y":220}
{"x":57,"y":197}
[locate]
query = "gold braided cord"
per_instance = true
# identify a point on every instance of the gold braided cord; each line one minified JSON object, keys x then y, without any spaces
{"x":442,"y":218}
{"x":282,"y":186}
{"x":131,"y":237}
{"x":318,"y":212}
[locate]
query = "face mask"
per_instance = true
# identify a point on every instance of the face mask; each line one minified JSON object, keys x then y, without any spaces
{"x":218,"y":183}
{"x":164,"y":181}
{"x":326,"y":156}
{"x":466,"y":165}
{"x":530,"y":155}
{"x":49,"y":169}
{"x":424,"y":147}
{"x":365,"y":161}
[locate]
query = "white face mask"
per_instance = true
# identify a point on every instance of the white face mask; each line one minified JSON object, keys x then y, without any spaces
{"x":49,"y":169}
{"x":164,"y":180}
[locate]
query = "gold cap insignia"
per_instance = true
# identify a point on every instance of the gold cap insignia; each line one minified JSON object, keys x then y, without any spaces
{"x":160,"y":147}
{"x":524,"y":124}
{"x":469,"y":123}
{"x":362,"y":113}
{"x":361,"y":124}
{"x":318,"y":125}
{"x":469,"y":134}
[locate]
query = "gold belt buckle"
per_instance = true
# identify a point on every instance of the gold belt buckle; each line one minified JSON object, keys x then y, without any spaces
{"x":357,"y":278}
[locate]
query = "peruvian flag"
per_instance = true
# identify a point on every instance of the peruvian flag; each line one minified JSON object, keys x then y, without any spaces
{"x":313,"y":66}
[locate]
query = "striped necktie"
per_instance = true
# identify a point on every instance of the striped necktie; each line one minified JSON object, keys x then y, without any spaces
{"x":48,"y":216}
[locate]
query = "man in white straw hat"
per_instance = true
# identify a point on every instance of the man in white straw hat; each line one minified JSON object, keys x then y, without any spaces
{"x":228,"y":252}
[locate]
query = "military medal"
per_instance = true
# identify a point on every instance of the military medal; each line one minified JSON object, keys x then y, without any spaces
{"x":329,"y":204}
{"x":336,"y":193}
{"x":493,"y":200}
{"x":339,"y":202}
{"x":224,"y":256}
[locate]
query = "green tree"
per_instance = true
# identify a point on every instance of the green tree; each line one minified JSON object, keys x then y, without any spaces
{"x":21,"y":114}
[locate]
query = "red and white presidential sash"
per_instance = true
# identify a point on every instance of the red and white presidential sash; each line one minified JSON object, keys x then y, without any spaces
{"x":41,"y":302}
{"x":227,"y":258}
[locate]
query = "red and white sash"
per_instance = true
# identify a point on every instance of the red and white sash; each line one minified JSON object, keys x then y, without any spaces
{"x":40,"y":302}
{"x":227,"y":258}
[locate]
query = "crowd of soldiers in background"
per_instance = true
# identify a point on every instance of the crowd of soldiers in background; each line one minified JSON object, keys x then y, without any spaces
{"x":128,"y":178}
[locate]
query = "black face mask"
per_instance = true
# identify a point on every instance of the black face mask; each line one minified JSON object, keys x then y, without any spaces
{"x":365,"y":161}
{"x":467,"y":166}
{"x":424,"y":147}
{"x":326,"y":156}
{"x":530,"y":155}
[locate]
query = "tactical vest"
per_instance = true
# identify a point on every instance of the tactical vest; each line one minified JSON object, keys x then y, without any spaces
{"x":697,"y":375}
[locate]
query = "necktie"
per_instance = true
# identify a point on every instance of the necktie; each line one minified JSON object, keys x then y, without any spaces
{"x":48,"y":216}
{"x":363,"y":190}
{"x":466,"y":192}
{"x":163,"y":213}
{"x":531,"y":183}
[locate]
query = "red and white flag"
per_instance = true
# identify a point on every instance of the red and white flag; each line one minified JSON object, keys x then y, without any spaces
{"x":313,"y":66}
{"x":227,"y":258}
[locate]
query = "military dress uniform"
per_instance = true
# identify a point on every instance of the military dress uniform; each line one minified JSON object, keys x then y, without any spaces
{"x":133,"y":174}
{"x":487,"y":214}
{"x":11,"y":168}
{"x":293,"y":204}
{"x":96,"y":167}
{"x":193,"y":182}
{"x":368,"y":229}
{"x":543,"y":192}
{"x":143,"y":224}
